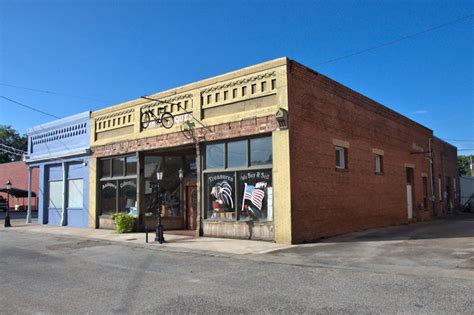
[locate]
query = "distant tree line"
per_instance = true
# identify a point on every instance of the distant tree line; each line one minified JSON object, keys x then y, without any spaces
{"x":11,"y":138}
{"x":464,"y":164}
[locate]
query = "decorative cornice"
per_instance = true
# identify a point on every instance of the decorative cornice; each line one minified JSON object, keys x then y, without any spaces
{"x":168,"y":100}
{"x":115,"y":114}
{"x":239,"y":82}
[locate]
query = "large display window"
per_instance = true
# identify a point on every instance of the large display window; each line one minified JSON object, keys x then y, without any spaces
{"x":221,"y":192}
{"x":238,"y":180}
{"x":255,"y":195}
{"x":170,"y":185}
{"x":118,"y":184}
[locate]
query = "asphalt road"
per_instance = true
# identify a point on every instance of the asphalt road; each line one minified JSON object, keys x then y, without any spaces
{"x":396,"y":270}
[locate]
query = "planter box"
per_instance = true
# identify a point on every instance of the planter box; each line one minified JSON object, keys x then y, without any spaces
{"x":106,"y":222}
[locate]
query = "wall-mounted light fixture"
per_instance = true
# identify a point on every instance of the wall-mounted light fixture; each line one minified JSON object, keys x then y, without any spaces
{"x":282,"y":118}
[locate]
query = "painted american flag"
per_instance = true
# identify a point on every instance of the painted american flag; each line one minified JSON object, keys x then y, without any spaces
{"x":255,"y":195}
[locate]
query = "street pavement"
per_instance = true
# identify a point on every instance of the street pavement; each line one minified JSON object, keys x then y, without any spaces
{"x":425,"y":268}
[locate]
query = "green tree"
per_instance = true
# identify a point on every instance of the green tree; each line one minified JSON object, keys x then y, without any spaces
{"x":11,"y":138}
{"x":464,"y":162}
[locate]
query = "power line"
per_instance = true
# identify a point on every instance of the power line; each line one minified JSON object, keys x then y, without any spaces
{"x":459,"y":140}
{"x":54,"y":93}
{"x":29,"y":107}
{"x":395,"y":41}
{"x":11,"y":150}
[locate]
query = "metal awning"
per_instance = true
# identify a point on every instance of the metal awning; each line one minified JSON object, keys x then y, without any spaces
{"x":18,"y":193}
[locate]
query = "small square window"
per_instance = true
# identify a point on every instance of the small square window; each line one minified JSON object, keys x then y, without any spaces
{"x":234,"y":93}
{"x":264,"y":86}
{"x":226,"y":95}
{"x":254,"y":88}
{"x":378,"y":159}
{"x":274,"y":83}
{"x":244,"y":90}
{"x":218,"y":95}
{"x":341,"y":161}
{"x":209,"y":97}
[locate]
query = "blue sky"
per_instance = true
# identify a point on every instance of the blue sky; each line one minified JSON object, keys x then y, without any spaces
{"x":114,"y":51}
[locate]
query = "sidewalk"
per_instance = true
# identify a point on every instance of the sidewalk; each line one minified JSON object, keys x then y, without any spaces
{"x":176,"y":242}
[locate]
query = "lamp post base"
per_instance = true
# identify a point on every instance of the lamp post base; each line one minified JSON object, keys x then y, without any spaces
{"x":7,"y":220}
{"x":159,"y":234}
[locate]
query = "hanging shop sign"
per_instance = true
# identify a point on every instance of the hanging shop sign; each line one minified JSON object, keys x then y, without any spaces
{"x":149,"y":122}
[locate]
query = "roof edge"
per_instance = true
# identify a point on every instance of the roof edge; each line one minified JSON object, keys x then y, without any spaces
{"x":57,"y":123}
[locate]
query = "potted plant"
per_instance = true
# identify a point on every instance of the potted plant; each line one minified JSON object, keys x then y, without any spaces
{"x":123,"y":222}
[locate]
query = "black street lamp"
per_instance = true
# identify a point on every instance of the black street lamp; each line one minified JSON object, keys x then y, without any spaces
{"x":7,"y":215}
{"x":159,"y":226}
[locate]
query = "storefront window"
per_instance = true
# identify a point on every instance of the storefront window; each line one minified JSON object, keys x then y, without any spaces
{"x":131,"y":165}
{"x":190,"y":167}
{"x":117,"y":167}
{"x":171,"y":186}
{"x":255,"y":195}
{"x":237,"y":154}
{"x":105,"y":167}
{"x":215,"y":155}
{"x":152,"y":165}
{"x":109,"y":197}
{"x":56,"y":194}
{"x":221,"y":195}
{"x":261,"y":151}
{"x":244,"y":193}
{"x":119,"y":186}
{"x":75,"y":195}
{"x":127,"y":194}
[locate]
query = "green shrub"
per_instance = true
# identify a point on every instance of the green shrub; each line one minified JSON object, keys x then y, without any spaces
{"x":124,"y":222}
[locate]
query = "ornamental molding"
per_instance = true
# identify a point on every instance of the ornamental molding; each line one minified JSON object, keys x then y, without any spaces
{"x":115,"y":114}
{"x":170,"y":100}
{"x":239,"y":82}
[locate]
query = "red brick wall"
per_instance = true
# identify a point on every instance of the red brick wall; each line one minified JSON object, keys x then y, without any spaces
{"x":327,"y":202}
{"x":445,"y":164}
{"x":17,"y":173}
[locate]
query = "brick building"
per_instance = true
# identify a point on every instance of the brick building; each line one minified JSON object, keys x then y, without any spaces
{"x":17,"y":174}
{"x":275,"y":151}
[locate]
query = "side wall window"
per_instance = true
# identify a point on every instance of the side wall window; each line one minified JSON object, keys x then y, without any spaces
{"x":341,"y":158}
{"x":378,"y":159}
{"x":440,"y":193}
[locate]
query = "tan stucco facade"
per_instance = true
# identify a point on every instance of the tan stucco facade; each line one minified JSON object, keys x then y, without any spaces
{"x":225,"y":105}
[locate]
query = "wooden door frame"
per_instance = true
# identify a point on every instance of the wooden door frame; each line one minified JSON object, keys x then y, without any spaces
{"x":188,"y":183}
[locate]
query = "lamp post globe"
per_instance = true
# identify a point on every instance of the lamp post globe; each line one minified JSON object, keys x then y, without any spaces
{"x":159,"y":237}
{"x":7,"y":214}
